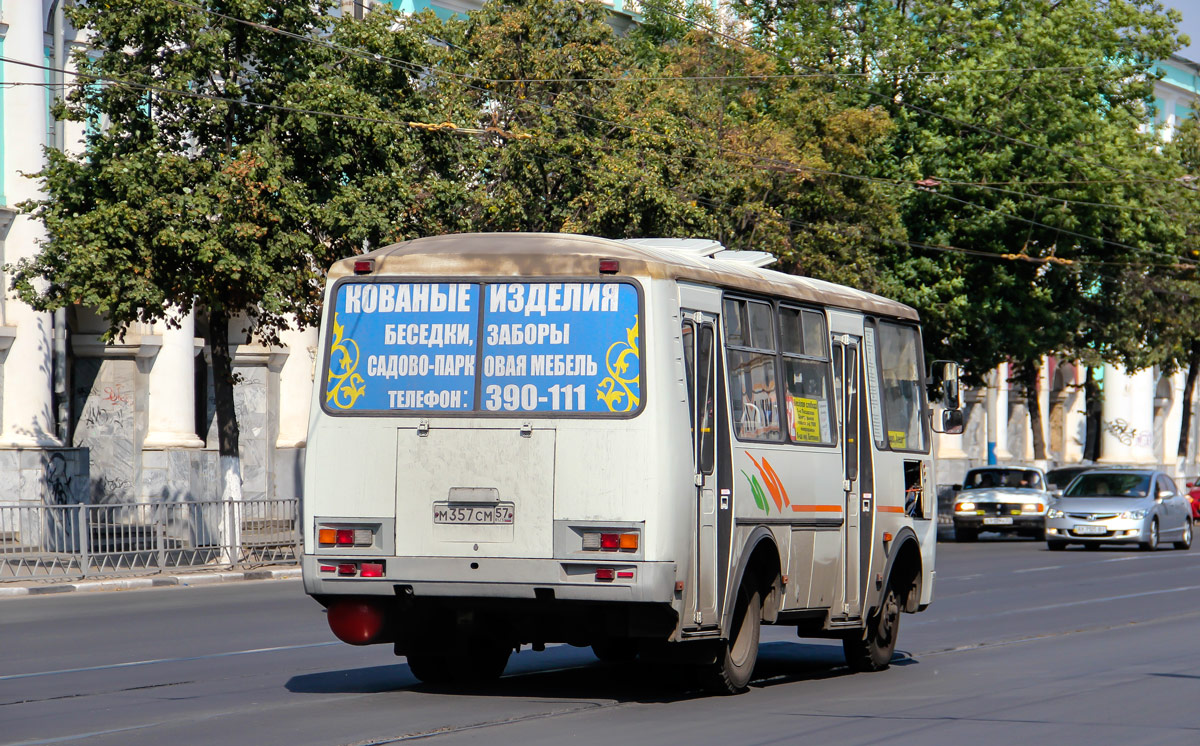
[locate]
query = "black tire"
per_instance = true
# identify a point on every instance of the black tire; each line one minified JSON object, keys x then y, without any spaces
{"x":615,"y":650}
{"x":965,"y":534}
{"x":1151,"y":542}
{"x":1056,"y":546}
{"x":873,"y":649}
{"x":736,"y":657}
{"x":476,"y":663}
{"x":1186,"y":541}
{"x":431,"y":668}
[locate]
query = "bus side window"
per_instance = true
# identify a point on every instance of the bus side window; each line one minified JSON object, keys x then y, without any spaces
{"x":707,"y":390}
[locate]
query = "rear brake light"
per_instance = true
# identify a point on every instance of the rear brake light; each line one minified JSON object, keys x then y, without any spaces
{"x":610,"y":541}
{"x":345,"y":537}
{"x":372,"y":570}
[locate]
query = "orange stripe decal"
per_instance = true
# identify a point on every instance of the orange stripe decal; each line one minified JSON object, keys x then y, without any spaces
{"x":889,"y":508}
{"x":817,"y":508}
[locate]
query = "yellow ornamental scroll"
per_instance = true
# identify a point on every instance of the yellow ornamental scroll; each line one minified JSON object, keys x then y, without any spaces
{"x":806,"y":417}
{"x":624,"y":365}
{"x":344,"y":386}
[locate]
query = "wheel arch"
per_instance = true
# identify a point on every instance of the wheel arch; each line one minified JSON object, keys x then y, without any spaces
{"x":760,"y":557}
{"x":904,"y":565}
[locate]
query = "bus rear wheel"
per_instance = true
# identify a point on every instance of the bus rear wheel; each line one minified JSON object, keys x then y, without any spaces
{"x":476,"y":663}
{"x":872,"y":649}
{"x":736,"y":657}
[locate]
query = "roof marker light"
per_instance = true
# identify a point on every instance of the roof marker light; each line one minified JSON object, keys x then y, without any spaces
{"x":364,"y":266}
{"x":609,"y":266}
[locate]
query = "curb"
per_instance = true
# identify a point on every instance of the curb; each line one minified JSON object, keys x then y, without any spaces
{"x":157,"y":581}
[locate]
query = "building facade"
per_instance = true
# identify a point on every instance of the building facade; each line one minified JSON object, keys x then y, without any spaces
{"x":86,"y":421}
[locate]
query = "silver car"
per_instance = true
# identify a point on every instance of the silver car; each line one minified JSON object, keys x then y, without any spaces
{"x":1120,"y":506}
{"x":1005,"y":499}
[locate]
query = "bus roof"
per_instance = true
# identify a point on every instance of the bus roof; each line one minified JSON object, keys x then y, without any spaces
{"x":551,"y":254}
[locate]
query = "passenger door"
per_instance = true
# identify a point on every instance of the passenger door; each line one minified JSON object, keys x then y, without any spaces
{"x":700,"y":350}
{"x":846,"y":357}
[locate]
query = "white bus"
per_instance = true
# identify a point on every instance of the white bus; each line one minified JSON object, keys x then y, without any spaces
{"x":647,"y":446}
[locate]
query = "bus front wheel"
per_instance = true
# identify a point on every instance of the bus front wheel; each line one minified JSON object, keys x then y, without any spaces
{"x":737,"y":656}
{"x":871,"y":650}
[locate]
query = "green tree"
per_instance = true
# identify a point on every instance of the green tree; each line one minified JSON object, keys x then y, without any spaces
{"x":215,"y":182}
{"x":1021,"y":133}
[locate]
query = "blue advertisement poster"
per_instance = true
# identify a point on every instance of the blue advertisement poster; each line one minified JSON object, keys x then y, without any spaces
{"x":561,"y":347}
{"x":570,"y":347}
{"x":403,"y":346}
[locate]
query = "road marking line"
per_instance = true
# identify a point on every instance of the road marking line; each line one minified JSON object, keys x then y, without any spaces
{"x":130,"y":664}
{"x":1038,"y":569}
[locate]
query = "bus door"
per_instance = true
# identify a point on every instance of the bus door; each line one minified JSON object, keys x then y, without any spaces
{"x":700,"y":352}
{"x":846,"y":384}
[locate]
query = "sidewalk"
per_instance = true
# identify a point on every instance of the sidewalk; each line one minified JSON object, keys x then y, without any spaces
{"x":38,"y":587}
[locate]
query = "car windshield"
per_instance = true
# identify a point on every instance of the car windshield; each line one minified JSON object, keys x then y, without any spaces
{"x":978,"y":479}
{"x":1060,"y":478}
{"x":1109,"y":485}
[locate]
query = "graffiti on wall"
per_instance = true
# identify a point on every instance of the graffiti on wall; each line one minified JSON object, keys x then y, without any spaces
{"x":1128,"y":435}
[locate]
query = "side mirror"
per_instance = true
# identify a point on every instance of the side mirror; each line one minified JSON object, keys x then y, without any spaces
{"x":1164,"y":494}
{"x":1056,"y":493}
{"x":950,"y":394}
{"x":952,"y":421}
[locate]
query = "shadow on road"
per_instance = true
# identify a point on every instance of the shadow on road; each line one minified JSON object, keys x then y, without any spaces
{"x":563,"y":672}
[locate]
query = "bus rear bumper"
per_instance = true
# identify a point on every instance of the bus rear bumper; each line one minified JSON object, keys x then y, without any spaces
{"x":483,"y":577}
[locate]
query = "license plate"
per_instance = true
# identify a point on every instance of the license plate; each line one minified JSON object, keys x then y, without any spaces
{"x":998,"y":521}
{"x":473,"y":515}
{"x":1091,"y":529}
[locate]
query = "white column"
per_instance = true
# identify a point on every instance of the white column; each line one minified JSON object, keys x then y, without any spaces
{"x":1001,"y":441}
{"x":296,"y":386}
{"x":1074,"y":415}
{"x":171,"y":406}
{"x":28,"y":416}
{"x":1172,"y":423}
{"x":1127,"y":417}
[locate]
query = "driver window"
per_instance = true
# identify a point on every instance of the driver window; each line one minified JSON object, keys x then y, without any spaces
{"x":1165,"y":485}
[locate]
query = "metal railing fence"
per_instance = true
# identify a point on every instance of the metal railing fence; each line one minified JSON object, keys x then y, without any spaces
{"x":112,"y":539}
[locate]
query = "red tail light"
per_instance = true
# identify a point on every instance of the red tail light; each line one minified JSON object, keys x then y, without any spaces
{"x":345,"y":536}
{"x":348,"y":568}
{"x":372,"y":570}
{"x":605,"y":574}
{"x":610,"y":541}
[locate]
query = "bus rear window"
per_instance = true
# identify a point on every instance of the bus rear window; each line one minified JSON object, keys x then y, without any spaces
{"x":537,"y":347}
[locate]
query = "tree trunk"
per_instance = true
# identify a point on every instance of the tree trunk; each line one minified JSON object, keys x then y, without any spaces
{"x":1185,"y":426}
{"x":1028,"y":374}
{"x":1092,"y":412}
{"x":227,"y":435}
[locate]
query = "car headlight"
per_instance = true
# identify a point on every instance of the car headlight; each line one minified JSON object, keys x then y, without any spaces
{"x":1133,"y":515}
{"x":964,"y":506}
{"x":1032,"y":508}
{"x":1056,"y":513}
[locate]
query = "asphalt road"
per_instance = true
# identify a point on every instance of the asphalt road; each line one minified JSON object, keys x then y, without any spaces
{"x":1021,"y":645}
